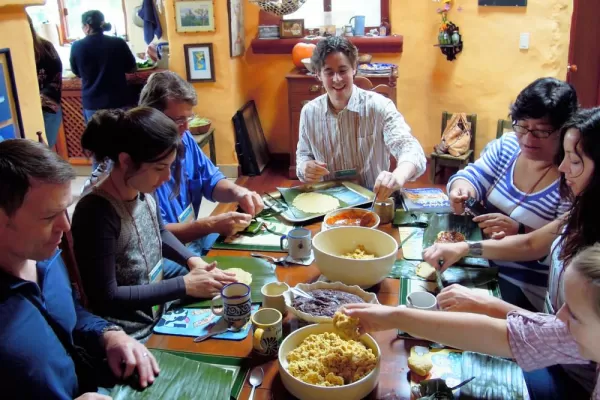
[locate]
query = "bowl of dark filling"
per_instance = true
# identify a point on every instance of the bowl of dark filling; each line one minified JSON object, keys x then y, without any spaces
{"x":328,"y":298}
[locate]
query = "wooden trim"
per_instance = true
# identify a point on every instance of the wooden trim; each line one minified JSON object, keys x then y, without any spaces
{"x":572,"y":38}
{"x":64,"y":26}
{"x":388,"y":44}
{"x":125,"y":20}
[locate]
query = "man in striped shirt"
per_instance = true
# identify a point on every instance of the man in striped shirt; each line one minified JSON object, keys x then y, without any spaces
{"x":353,"y":129}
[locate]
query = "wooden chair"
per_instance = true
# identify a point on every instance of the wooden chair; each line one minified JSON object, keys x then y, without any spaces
{"x":446,"y":160}
{"x":68,"y":256}
{"x":504,"y":126}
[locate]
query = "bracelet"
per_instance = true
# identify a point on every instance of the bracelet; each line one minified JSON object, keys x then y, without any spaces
{"x":521,"y":228}
{"x":475,"y":249}
{"x":112,"y":328}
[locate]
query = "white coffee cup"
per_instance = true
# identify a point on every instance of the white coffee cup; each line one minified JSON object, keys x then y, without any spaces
{"x":299,"y":245}
{"x":274,"y":295}
{"x":421,"y":301}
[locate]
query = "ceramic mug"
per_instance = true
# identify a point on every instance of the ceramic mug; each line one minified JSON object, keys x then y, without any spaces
{"x":421,"y":301}
{"x":268,"y":331}
{"x":386,"y":210}
{"x":274,"y":295}
{"x":237,"y":305}
{"x":298,"y":245}
{"x":359,"y":25}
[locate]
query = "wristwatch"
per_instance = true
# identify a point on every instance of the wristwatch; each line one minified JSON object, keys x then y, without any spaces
{"x":475,"y":249}
{"x":112,"y":328}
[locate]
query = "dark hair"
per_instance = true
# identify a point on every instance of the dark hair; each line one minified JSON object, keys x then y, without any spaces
{"x":42,"y":48}
{"x":95,"y":19}
{"x":581,"y":229}
{"x":23,"y":161}
{"x":333,"y":44}
{"x":145,"y":134}
{"x":546,"y":97}
{"x":164,"y":86}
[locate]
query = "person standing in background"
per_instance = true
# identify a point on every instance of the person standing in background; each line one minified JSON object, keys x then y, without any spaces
{"x":102,"y":62}
{"x":49,"y":75}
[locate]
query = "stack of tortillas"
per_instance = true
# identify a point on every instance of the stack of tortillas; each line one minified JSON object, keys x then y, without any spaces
{"x":315,"y":203}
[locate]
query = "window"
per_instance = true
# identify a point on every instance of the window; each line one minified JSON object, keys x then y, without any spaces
{"x":342,"y":10}
{"x":67,"y":14}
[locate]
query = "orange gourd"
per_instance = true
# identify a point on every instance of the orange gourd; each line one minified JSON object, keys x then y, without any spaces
{"x":302,"y":50}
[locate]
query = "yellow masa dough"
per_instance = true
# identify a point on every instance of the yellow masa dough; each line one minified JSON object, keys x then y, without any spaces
{"x":241,"y":275}
{"x":315,"y":203}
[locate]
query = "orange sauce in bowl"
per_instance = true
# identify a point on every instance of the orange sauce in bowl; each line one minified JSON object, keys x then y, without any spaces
{"x":352,"y":218}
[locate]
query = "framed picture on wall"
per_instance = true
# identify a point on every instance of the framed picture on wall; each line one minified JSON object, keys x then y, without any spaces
{"x":195,"y":16}
{"x":199,"y":62}
{"x":11,"y":122}
{"x":237,"y":45}
{"x":292,"y":28}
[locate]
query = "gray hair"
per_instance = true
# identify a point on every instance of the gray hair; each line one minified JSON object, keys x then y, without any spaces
{"x":23,"y":161}
{"x":166,"y":86}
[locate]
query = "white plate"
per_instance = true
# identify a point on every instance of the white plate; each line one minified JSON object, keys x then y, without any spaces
{"x":307,"y":287}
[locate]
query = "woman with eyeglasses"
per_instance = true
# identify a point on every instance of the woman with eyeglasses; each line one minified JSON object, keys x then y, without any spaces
{"x":517,"y":181}
{"x":562,"y":238}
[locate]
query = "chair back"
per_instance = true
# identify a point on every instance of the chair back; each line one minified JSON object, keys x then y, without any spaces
{"x":472,"y":118}
{"x":384,"y":90}
{"x":68,"y":255}
{"x":504,"y":126}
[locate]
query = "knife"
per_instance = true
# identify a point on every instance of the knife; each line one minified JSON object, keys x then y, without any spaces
{"x":406,"y":239}
{"x":217,"y":328}
{"x":438,"y":279}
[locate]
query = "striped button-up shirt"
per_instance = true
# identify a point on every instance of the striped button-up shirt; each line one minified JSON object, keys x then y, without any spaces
{"x":541,"y":340}
{"x":361,"y":137}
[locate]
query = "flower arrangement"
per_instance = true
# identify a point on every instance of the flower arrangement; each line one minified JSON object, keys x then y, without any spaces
{"x":449,"y":34}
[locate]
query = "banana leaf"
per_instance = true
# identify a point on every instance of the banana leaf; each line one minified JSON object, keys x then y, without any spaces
{"x":459,"y":223}
{"x":409,"y":218}
{"x":261,"y":270}
{"x":181,"y":378}
{"x":266,"y":238}
{"x":495,"y":378}
{"x":466,"y":276}
{"x":349,"y":194}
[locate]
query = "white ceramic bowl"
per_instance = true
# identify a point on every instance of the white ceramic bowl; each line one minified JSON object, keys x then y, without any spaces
{"x":329,"y":245}
{"x":307,"y":64}
{"x":307,"y":287}
{"x":306,"y":391}
{"x":360,"y":212}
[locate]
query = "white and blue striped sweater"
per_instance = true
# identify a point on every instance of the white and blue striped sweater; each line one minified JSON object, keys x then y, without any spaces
{"x":534,"y":210}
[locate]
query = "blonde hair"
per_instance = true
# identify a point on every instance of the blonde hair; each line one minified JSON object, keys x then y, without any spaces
{"x":587,"y":263}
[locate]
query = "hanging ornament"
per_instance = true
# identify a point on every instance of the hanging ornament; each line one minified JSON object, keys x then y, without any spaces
{"x":279,"y":7}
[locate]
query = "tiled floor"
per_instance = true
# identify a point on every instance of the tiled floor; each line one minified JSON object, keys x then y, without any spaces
{"x":206,"y":207}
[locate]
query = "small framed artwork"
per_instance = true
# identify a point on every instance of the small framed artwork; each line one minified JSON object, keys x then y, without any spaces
{"x":292,"y":28}
{"x":199,"y":62}
{"x":195,"y":16}
{"x":505,"y":3}
{"x":236,"y":28}
{"x":11,"y":122}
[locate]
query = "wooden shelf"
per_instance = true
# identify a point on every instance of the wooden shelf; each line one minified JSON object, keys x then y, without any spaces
{"x":365,"y":44}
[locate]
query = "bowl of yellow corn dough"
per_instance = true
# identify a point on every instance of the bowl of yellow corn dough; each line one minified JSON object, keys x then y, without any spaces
{"x":355,"y":255}
{"x":320,"y":362}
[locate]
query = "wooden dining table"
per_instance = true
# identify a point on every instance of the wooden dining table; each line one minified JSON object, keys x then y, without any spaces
{"x":394,"y":378}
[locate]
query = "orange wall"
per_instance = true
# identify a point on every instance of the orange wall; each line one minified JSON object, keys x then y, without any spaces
{"x":485,"y":78}
{"x":13,"y":24}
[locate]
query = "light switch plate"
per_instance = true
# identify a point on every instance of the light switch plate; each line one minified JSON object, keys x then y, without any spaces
{"x":524,"y":41}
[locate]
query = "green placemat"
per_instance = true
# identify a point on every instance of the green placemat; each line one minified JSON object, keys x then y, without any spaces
{"x":182,"y":378}
{"x":267,"y":239}
{"x":408,"y":286}
{"x":261,"y":270}
{"x":349,"y":194}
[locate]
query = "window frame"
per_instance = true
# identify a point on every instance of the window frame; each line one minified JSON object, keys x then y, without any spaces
{"x":63,"y":12}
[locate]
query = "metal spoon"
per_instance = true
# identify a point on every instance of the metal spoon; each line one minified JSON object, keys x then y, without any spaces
{"x":301,"y":293}
{"x":269,"y":258}
{"x":256,"y":377}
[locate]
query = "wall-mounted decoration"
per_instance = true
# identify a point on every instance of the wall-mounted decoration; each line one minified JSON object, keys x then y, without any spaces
{"x":280,"y":8}
{"x":195,"y":16}
{"x":449,"y":37}
{"x":512,"y":3}
{"x":251,"y":145}
{"x":292,"y":28}
{"x":268,"y":32}
{"x":199,"y":62}
{"x":10,"y":111}
{"x":237,"y":37}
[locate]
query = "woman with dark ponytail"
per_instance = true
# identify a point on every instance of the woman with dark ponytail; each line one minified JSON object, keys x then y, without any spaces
{"x":119,"y":236}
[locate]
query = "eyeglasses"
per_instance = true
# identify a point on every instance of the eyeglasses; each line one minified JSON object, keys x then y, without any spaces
{"x":521,"y":130}
{"x":184,"y":120}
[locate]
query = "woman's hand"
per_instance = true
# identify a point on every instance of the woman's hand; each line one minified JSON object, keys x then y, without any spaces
{"x":314,"y":170}
{"x":386,"y":184}
{"x":496,"y":225}
{"x":373,"y":317}
{"x":457,"y":197}
{"x":461,"y":299}
{"x":207,"y":282}
{"x":443,"y":255}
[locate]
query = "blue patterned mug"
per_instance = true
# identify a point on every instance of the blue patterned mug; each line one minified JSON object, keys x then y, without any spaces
{"x":237,"y":305}
{"x":268,"y":331}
